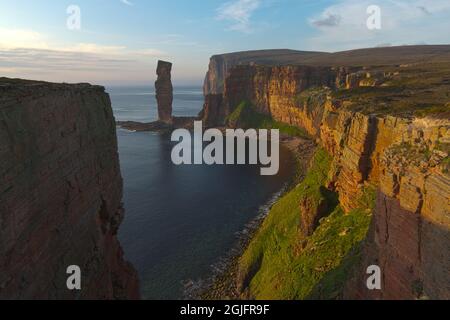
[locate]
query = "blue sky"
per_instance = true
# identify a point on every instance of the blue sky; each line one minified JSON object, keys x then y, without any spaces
{"x":119,"y":41}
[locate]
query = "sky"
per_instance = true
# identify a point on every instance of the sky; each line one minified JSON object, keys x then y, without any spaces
{"x":118,"y":42}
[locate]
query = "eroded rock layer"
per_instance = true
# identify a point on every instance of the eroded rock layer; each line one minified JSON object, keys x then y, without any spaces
{"x":60,"y":193}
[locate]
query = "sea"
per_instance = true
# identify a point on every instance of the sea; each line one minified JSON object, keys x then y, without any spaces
{"x":180,"y":221}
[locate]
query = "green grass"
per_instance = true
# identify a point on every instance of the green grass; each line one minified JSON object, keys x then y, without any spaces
{"x":246,"y":116}
{"x":346,"y":233}
{"x":281,"y":264}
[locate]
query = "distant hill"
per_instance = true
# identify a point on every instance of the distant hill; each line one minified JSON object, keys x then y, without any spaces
{"x":269,"y":57}
{"x":382,"y":56}
{"x":368,"y":56}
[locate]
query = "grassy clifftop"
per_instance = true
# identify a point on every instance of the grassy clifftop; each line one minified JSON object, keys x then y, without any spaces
{"x":282,"y":262}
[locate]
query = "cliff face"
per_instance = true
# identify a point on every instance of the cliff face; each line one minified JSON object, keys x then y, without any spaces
{"x":410,"y":234}
{"x":401,"y":155}
{"x":220,"y":65}
{"x":60,"y":193}
{"x":272,"y":90}
{"x":213,"y":113}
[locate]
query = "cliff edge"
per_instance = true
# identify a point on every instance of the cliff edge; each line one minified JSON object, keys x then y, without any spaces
{"x":382,"y":117}
{"x":60,"y":193}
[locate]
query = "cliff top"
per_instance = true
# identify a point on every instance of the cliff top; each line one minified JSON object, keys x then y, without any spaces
{"x":163,"y":67}
{"x":12,"y":88}
{"x":418,"y":90}
{"x":359,"y":57}
{"x":268,"y":57}
{"x":10,"y":82}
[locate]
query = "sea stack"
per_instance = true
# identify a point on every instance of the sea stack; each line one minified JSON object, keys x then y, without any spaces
{"x":164,"y":91}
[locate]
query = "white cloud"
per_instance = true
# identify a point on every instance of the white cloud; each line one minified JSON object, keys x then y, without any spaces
{"x":31,"y":55}
{"x":94,"y":48}
{"x":152,"y":53}
{"x":343,"y":25}
{"x":22,"y":38}
{"x":127,"y":2}
{"x":30,"y":39}
{"x":239,"y":13}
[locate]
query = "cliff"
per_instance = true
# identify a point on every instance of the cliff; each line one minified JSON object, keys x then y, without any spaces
{"x":220,"y":65}
{"x":385,"y":126}
{"x":60,"y":193}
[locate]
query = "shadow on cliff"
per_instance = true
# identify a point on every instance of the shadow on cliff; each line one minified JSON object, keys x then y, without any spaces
{"x":403,"y":277}
{"x":333,"y":283}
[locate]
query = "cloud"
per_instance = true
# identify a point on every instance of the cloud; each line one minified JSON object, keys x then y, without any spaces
{"x":151,"y":53}
{"x":330,"y":20}
{"x":22,"y":38}
{"x":127,"y":2}
{"x":343,"y":26}
{"x":30,"y":54}
{"x":79,"y":66}
{"x":239,"y":13}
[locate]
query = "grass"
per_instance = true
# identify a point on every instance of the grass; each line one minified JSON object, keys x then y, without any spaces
{"x":432,"y":110}
{"x":281,"y":264}
{"x":413,"y":91}
{"x":246,"y":116}
{"x":333,"y":251}
{"x":312,"y":94}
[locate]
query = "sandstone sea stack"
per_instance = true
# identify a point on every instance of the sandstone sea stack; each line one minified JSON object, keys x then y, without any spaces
{"x":164,"y":91}
{"x":164,"y":98}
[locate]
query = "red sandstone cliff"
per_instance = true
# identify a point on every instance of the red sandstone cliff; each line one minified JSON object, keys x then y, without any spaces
{"x":220,"y":65}
{"x":409,"y":238}
{"x":60,"y":193}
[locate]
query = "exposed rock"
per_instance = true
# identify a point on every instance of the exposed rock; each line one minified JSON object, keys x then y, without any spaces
{"x":164,"y":91}
{"x":220,"y":65}
{"x":311,"y":213}
{"x":213,"y":111}
{"x":60,"y":193}
{"x":414,"y":186}
{"x":412,"y":251}
{"x":410,"y":234}
{"x":157,"y":126}
{"x":274,"y":91}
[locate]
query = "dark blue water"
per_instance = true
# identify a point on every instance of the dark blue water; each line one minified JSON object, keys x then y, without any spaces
{"x":181,"y":219}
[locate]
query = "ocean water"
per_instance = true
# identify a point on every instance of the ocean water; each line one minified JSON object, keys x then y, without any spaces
{"x":139,"y":103}
{"x":180,"y":220}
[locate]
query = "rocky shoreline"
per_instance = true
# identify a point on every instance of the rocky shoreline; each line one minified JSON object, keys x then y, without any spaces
{"x":222,"y":284}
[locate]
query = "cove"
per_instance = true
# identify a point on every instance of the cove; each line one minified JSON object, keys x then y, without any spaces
{"x":237,"y":141}
{"x":180,"y":220}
